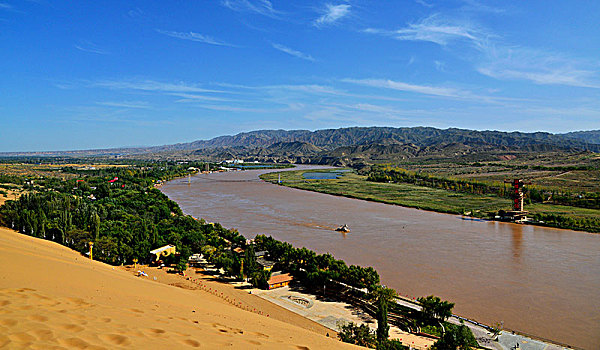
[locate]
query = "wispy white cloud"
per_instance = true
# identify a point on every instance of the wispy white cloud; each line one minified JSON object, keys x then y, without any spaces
{"x":572,"y":111}
{"x":262,"y":7}
{"x":125,"y":104}
{"x":186,"y":97}
{"x":402,"y":86}
{"x":440,"y":66}
{"x":135,"y":13}
{"x":439,"y":91}
{"x":477,"y":6}
{"x":4,"y":6}
{"x":367,"y":114}
{"x":87,"y":46}
{"x":494,"y":58}
{"x":308,"y":89}
{"x":107,"y":114}
{"x":152,"y":85}
{"x":195,"y":37}
{"x":243,"y":109}
{"x":437,"y":29}
{"x":423,"y":3}
{"x":538,"y":66}
{"x":293,"y":52}
{"x":331,"y":14}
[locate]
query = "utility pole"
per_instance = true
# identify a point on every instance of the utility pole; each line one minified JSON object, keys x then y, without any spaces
{"x":91,"y":250}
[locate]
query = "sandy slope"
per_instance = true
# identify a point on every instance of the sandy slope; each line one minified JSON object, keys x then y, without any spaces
{"x":52,"y":297}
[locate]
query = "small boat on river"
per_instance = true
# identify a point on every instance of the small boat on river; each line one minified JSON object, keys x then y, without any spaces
{"x":343,"y":228}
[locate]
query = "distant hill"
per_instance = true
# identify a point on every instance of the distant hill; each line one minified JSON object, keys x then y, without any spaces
{"x":357,"y":146}
{"x":590,"y":136}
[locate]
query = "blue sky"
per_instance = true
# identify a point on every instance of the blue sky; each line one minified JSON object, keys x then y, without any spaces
{"x":96,"y":74}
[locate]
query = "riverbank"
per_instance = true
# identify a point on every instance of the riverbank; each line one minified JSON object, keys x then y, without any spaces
{"x":52,"y":296}
{"x":425,"y":198}
{"x":503,"y":270}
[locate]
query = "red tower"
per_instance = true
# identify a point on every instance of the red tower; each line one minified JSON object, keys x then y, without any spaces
{"x":517,"y":214}
{"x":517,"y":185}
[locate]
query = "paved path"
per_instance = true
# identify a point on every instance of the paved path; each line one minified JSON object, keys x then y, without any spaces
{"x":330,"y":312}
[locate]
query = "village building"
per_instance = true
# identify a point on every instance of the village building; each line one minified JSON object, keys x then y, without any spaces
{"x":278,"y":281}
{"x":163,"y":251}
{"x":267,"y":265}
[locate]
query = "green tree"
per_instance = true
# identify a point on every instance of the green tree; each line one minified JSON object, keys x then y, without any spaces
{"x":456,"y":338}
{"x":260,"y":279}
{"x":95,"y":225}
{"x":434,"y":309}
{"x":354,"y":334}
{"x":383,"y":296}
{"x":250,"y":264}
{"x":181,"y":265}
{"x":390,"y":345}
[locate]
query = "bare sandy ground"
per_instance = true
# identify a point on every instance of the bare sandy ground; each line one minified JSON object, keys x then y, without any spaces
{"x":53,"y":298}
{"x":11,"y":195}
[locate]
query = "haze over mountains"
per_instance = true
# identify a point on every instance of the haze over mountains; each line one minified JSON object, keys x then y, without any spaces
{"x":356,"y":145}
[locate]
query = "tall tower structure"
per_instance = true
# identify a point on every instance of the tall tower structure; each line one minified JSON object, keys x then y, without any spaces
{"x":517,"y":214}
{"x":517,"y":186}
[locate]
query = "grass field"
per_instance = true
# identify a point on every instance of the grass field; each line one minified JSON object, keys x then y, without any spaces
{"x":355,"y":186}
{"x":546,"y":170}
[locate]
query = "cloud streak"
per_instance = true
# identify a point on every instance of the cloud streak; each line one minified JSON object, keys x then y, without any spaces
{"x":195,"y":37}
{"x":332,"y":14}
{"x":90,"y":47}
{"x":261,"y":7}
{"x":126,"y":104}
{"x":152,"y":85}
{"x":293,"y":52}
{"x":423,"y":3}
{"x":439,"y":30}
{"x":402,"y":86}
{"x":496,"y":59}
{"x":539,"y":67}
{"x":186,"y":97}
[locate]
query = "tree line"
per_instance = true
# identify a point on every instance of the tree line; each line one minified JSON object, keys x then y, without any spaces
{"x":125,"y":218}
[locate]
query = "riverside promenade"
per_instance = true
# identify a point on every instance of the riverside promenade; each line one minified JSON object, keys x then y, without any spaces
{"x":506,"y":340}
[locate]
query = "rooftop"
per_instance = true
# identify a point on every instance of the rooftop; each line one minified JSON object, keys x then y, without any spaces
{"x":284,"y":277}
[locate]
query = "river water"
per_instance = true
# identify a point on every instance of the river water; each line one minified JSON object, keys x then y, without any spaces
{"x":537,"y":280}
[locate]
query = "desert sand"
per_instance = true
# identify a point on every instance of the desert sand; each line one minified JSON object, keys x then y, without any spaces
{"x":53,"y":298}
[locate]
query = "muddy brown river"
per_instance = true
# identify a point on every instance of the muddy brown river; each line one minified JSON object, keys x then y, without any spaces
{"x":541,"y":281}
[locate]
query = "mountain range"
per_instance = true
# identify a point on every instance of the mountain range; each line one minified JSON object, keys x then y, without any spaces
{"x":355,"y":145}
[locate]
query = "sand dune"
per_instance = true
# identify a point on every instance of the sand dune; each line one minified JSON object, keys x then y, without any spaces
{"x":53,"y":298}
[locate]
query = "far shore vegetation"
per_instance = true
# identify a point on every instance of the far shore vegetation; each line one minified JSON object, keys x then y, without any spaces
{"x":548,"y":206}
{"x":120,"y":210}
